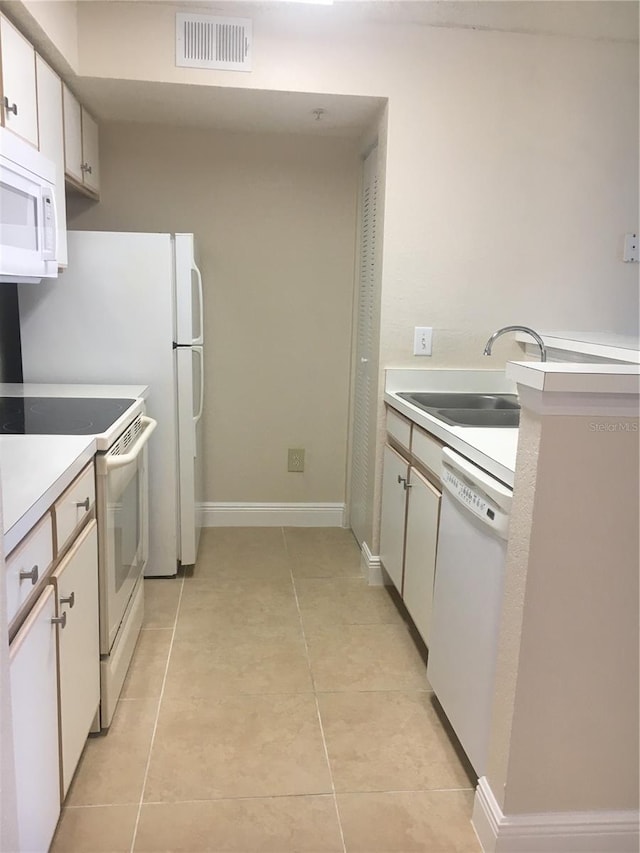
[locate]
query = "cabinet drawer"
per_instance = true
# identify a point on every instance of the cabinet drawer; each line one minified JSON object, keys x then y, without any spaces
{"x":399,"y":428}
{"x":74,"y":505}
{"x":427,"y":450}
{"x":32,"y":557}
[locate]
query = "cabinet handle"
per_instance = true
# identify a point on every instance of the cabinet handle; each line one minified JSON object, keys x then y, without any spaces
{"x":10,"y":108}
{"x":84,"y":503}
{"x":71,"y":600}
{"x":403,"y":480}
{"x":32,"y":575}
{"x":86,"y":168}
{"x":60,"y":620}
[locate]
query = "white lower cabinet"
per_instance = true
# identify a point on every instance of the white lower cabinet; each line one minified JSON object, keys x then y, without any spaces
{"x":410,"y":516}
{"x":395,"y":476}
{"x":54,"y":660}
{"x":76,"y":583}
{"x":423,"y":514}
{"x":34,"y":707}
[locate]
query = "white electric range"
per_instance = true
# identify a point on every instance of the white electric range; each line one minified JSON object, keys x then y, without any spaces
{"x":41,"y":427}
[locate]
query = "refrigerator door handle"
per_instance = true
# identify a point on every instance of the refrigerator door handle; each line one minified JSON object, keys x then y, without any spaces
{"x":200,"y":338}
{"x":200,"y":353}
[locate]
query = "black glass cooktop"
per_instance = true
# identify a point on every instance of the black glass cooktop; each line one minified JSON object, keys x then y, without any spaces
{"x":59,"y":415}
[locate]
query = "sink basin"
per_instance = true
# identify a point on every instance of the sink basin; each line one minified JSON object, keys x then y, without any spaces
{"x":480,"y":417}
{"x":470,"y":409}
{"x":436,"y":400}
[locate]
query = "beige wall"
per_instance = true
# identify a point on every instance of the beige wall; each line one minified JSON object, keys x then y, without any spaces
{"x":565,"y":716}
{"x":512,"y":169}
{"x":511,"y":161}
{"x":274,"y":219}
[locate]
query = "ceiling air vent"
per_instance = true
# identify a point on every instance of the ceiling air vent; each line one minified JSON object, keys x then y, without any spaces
{"x":205,"y":41}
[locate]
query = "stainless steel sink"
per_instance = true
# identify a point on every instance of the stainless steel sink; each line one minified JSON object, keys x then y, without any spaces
{"x":468,"y":409}
{"x":480,"y":417}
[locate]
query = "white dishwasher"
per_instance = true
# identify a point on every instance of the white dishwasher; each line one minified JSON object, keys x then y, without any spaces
{"x":467,"y":600}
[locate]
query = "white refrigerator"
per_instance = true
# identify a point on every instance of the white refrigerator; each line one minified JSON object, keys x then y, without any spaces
{"x":129,"y":310}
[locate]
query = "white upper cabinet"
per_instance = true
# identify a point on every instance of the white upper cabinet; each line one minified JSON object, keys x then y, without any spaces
{"x":49,"y":88}
{"x":81,"y":144}
{"x":72,"y":135}
{"x":90,"y":162}
{"x":19,"y":100}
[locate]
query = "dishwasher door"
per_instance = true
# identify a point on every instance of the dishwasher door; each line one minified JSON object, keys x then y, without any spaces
{"x":467,"y":601}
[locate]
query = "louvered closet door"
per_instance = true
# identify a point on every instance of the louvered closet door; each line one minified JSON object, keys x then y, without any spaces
{"x":361,"y":467}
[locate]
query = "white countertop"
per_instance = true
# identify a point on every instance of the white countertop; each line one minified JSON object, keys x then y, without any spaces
{"x":492,"y":448}
{"x":576,"y":378}
{"x":599,"y":344}
{"x":36,"y":469}
{"x":37,"y":389}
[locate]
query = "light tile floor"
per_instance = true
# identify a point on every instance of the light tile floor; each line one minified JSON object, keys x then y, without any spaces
{"x":275,"y":703}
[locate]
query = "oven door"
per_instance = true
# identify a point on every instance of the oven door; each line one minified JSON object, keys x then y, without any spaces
{"x":123,"y":526}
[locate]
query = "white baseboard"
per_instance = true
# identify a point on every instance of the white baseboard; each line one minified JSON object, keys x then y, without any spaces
{"x":552,"y":832}
{"x":224,"y":514}
{"x":372,"y":568}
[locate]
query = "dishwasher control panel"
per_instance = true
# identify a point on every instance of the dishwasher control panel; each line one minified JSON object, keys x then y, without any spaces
{"x":475,"y":501}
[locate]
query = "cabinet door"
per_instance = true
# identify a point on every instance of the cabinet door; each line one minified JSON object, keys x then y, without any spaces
{"x":76,"y":580}
{"x":72,"y":135}
{"x":51,"y":134}
{"x":90,"y":161}
{"x":423,"y":513}
{"x":34,"y":707}
{"x":392,"y":523}
{"x":18,"y":83}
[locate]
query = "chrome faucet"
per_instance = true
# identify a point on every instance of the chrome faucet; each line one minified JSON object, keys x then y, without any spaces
{"x":534,"y":335}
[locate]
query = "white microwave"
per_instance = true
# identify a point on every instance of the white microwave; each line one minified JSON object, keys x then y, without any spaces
{"x":28,"y":220}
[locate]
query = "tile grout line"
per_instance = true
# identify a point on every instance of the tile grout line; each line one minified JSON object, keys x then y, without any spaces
{"x":315,"y":695}
{"x":155,"y":724}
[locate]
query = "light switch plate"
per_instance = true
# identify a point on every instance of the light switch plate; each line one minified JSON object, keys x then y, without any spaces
{"x":422,"y":339}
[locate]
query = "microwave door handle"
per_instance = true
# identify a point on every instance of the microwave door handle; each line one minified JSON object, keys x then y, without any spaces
{"x":50,"y":194}
{"x":126,"y":458}
{"x":200,"y":337}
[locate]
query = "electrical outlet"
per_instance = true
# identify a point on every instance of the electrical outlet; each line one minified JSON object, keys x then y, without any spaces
{"x":422,"y":337}
{"x":296,"y":459}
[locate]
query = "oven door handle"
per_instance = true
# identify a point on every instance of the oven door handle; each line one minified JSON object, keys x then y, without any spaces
{"x":126,"y":458}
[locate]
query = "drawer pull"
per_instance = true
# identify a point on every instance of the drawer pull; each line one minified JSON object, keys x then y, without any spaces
{"x":10,"y":108}
{"x":60,"y":620}
{"x":32,"y":575}
{"x":70,"y":600}
{"x":84,"y":503}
